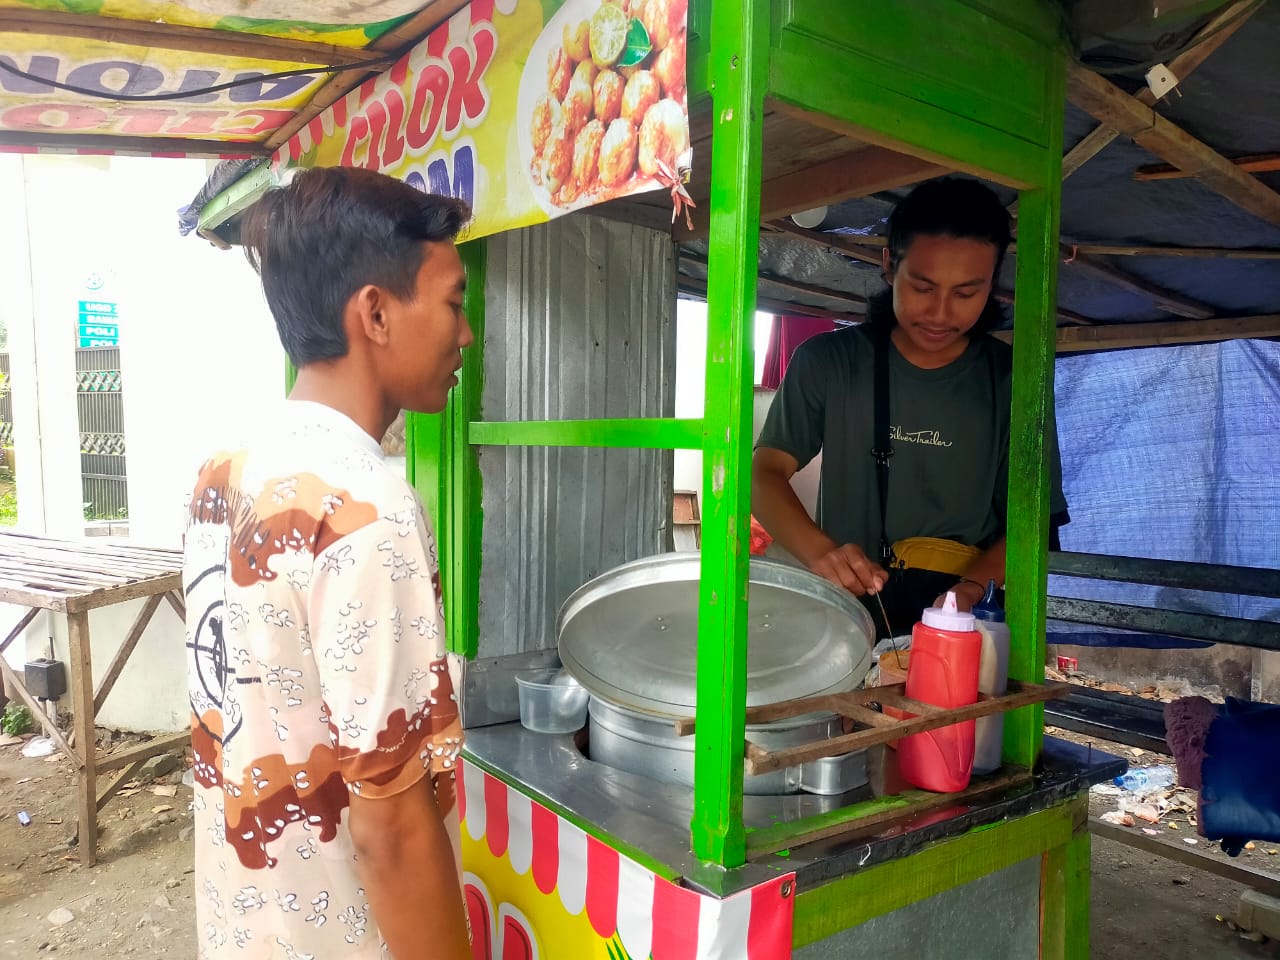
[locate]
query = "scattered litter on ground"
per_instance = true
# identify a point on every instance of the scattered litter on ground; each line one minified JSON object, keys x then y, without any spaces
{"x":39,"y":747}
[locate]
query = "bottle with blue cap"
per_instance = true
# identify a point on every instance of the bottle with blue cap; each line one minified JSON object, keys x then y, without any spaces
{"x":993,"y":678}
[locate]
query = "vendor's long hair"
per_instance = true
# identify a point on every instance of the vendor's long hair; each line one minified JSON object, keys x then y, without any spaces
{"x":948,"y":207}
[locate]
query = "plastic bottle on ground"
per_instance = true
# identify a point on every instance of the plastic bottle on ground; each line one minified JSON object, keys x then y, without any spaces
{"x":1147,"y":778}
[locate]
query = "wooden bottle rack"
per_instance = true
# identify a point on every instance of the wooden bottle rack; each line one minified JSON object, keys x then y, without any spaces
{"x":875,"y":727}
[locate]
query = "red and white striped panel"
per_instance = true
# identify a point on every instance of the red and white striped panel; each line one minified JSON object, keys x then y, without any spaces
{"x":652,"y":916}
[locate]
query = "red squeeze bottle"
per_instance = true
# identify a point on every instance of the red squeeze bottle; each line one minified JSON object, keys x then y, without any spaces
{"x":946,"y":652}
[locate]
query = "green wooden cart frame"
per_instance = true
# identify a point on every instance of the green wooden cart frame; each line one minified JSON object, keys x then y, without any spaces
{"x":962,"y":85}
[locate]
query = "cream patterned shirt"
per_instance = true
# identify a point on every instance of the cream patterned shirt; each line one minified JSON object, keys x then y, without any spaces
{"x":317,"y":667}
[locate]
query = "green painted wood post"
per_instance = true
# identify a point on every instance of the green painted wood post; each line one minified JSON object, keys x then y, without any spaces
{"x":1034,"y":324}
{"x":739,"y":63}
{"x":442,"y":466}
{"x":1064,"y":892}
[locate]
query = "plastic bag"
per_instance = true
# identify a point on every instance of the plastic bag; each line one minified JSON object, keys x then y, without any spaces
{"x":40,"y":747}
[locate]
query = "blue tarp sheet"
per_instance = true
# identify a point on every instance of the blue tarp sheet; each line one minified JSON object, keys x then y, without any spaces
{"x":1170,"y":453}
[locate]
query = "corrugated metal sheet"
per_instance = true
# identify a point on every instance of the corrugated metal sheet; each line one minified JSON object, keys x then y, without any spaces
{"x":579,"y":323}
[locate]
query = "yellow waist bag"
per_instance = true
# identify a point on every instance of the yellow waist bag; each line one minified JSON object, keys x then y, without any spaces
{"x":932,"y":553}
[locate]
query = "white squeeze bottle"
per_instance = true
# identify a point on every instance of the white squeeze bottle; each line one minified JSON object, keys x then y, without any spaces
{"x":993,"y":677}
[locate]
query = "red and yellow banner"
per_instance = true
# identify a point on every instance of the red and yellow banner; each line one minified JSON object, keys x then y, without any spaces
{"x":527,"y":109}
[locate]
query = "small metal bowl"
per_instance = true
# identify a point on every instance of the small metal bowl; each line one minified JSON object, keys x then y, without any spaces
{"x":551,"y":702}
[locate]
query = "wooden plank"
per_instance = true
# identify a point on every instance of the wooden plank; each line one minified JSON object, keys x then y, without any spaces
{"x":823,"y":703}
{"x":118,"y":781}
{"x":129,"y":591}
{"x":1217,"y":578}
{"x":19,"y":627}
{"x":175,"y":600}
{"x":857,"y":303}
{"x":174,"y":36}
{"x":81,"y":668}
{"x":869,"y":250}
{"x":1208,"y":39}
{"x":1119,"y":336}
{"x":143,"y":751}
{"x":1259,"y":634}
{"x":1160,"y":296}
{"x":16,"y":685}
{"x":111,"y":145}
{"x":397,"y":40}
{"x":126,"y":650}
{"x":1207,"y":253}
{"x":859,"y":173}
{"x":698,"y":288}
{"x":1257,"y":163}
{"x":1111,"y":105}
{"x":12,"y":591}
{"x":786,"y":836}
{"x":90,"y":551}
{"x":1025,"y":695}
{"x":1261,"y":880}
{"x":864,"y":249}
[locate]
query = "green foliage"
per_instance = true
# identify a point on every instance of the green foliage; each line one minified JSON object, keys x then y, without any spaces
{"x":16,"y":720}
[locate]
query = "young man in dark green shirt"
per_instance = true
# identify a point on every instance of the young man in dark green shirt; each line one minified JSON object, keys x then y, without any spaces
{"x":948,"y":419}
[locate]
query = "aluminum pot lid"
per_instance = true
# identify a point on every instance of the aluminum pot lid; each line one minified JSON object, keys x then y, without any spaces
{"x":630,"y":635}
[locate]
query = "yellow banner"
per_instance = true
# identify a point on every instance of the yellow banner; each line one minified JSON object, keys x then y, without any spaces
{"x":527,"y":109}
{"x":248,"y":111}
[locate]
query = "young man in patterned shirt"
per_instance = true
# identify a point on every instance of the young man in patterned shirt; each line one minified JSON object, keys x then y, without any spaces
{"x":324,"y":718}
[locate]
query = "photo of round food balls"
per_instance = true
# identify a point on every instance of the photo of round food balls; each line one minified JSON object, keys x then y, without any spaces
{"x":611,"y":111}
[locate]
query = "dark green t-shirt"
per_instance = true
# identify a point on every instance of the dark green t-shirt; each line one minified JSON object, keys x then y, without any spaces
{"x":949,"y":427}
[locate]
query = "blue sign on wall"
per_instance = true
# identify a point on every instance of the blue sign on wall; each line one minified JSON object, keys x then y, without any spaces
{"x":99,"y":324}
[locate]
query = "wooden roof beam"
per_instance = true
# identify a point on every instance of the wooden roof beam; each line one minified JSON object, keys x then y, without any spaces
{"x":859,"y":173}
{"x":1257,"y":163}
{"x":1148,"y":129}
{"x":1123,"y":336}
{"x":339,"y":85}
{"x":1214,"y":33}
{"x":698,"y":287}
{"x":106,"y":144}
{"x":171,"y":36}
{"x":870,"y":253}
{"x":1160,"y":296}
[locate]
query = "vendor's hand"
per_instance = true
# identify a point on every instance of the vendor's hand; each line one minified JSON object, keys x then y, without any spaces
{"x":848,"y":566}
{"x":967,"y":594}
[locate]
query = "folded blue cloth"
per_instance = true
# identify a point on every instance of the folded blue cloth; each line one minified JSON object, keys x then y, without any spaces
{"x":1240,"y":798}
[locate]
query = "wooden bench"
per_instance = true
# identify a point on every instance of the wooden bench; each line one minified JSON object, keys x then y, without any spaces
{"x":1138,"y":722}
{"x":70,"y":578}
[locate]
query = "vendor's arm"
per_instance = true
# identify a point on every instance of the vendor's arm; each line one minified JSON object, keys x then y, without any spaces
{"x":776,"y":506}
{"x":988,"y":565}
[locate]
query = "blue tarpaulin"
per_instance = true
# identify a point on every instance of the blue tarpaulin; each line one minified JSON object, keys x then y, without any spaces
{"x":1170,"y":453}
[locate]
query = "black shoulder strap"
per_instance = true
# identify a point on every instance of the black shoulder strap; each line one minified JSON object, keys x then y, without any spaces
{"x":882,"y":449}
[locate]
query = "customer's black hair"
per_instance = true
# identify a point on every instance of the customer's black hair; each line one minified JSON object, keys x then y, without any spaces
{"x":948,"y":207}
{"x":331,"y":231}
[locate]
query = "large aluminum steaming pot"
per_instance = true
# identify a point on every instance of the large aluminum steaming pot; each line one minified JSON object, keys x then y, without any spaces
{"x":630,"y":637}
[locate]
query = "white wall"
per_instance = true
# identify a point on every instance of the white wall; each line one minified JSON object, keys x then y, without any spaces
{"x":691,"y":362}
{"x":199,"y":359}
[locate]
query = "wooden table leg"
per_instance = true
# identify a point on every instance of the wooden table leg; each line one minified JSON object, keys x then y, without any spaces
{"x":86,"y":740}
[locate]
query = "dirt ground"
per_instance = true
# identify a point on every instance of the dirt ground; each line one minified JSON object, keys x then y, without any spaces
{"x":138,"y":901}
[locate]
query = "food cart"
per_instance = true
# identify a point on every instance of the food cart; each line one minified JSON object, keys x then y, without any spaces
{"x":788,"y":107}
{"x":566,"y":856}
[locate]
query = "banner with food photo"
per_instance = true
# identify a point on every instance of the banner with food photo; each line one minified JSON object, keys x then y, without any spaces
{"x":527,"y":109}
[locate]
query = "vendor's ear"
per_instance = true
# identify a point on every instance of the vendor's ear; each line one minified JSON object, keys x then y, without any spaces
{"x":886,"y":268}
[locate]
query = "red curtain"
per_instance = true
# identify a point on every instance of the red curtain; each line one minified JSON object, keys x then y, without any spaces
{"x":787,"y":334}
